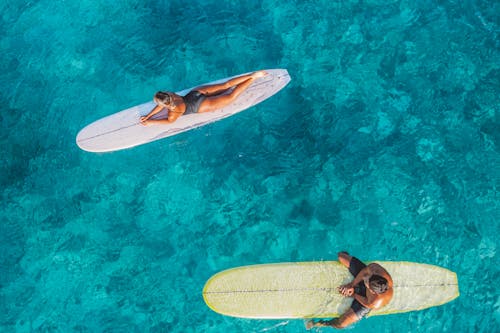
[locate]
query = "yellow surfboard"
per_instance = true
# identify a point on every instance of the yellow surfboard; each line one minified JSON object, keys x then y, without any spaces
{"x":309,"y":289}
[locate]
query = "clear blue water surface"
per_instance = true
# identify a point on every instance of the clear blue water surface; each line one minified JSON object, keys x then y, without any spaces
{"x":386,"y":144}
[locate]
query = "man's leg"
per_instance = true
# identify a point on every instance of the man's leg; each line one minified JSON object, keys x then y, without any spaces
{"x":352,"y":263}
{"x":348,"y":318}
{"x":345,"y":320}
{"x":344,"y":258}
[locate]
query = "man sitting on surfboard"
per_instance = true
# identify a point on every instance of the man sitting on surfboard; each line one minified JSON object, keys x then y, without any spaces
{"x":201,"y":99}
{"x":371,"y":289}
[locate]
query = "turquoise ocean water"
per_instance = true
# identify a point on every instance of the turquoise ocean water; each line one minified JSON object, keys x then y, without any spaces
{"x":385,"y":144}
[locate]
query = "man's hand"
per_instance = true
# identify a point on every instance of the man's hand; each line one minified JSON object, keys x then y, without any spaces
{"x":347,"y":290}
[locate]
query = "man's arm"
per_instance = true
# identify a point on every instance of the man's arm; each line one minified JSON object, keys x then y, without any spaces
{"x":365,"y":273}
{"x":348,"y":289}
{"x":363,"y":300}
{"x":368,"y":271}
{"x":370,"y":302}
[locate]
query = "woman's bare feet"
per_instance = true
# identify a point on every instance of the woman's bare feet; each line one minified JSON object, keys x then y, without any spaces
{"x":256,"y":75}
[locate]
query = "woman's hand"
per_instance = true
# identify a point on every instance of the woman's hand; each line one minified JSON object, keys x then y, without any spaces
{"x":145,"y":121}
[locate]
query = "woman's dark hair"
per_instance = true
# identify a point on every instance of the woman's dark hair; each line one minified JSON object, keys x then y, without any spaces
{"x":378,"y":284}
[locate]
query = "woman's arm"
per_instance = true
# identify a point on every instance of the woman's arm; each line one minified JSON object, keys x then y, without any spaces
{"x":157,"y":109}
{"x":158,"y":121}
{"x":172,"y":116}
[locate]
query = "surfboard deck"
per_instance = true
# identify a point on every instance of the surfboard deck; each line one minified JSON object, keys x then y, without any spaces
{"x":309,"y":289}
{"x":123,"y":129}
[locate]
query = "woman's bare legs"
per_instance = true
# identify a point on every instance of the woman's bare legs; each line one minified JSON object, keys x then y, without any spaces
{"x":215,"y":89}
{"x":212,"y":103}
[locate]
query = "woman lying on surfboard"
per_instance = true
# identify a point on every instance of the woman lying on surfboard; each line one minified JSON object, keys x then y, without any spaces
{"x":371,"y":289}
{"x":201,"y":99}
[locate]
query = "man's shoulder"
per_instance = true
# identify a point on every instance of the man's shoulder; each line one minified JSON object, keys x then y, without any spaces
{"x":380,"y":270}
{"x":376,"y":266}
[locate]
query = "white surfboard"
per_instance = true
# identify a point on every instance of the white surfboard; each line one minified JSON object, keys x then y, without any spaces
{"x":309,"y":289}
{"x":124,"y":130}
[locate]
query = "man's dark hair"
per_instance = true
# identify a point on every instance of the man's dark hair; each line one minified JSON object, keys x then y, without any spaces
{"x":378,"y":284}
